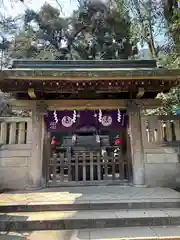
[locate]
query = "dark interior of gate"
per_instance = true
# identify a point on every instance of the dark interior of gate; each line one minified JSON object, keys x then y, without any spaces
{"x":88,"y":147}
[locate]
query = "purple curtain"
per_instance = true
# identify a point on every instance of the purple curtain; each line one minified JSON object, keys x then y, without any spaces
{"x":70,"y":121}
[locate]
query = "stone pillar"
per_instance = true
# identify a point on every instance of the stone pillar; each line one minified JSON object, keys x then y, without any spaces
{"x":36,"y":160}
{"x":136,"y":147}
{"x":21,"y":133}
{"x":3,"y":134}
{"x":12,"y":135}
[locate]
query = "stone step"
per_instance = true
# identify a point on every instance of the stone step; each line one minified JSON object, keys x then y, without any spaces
{"x":64,"y":220}
{"x":88,"y":205}
{"x":133,"y":233}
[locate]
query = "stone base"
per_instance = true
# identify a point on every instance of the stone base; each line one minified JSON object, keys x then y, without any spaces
{"x":41,"y":185}
{"x":31,"y":188}
{"x":138,"y":185}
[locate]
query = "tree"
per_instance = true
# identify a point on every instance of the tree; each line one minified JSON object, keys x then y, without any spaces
{"x":171,"y":101}
{"x":101,"y":32}
{"x":42,"y":35}
{"x":147,"y":20}
{"x":148,"y":17}
{"x":92,"y":32}
{"x":8,"y":27}
{"x":172,"y":16}
{"x":169,"y":6}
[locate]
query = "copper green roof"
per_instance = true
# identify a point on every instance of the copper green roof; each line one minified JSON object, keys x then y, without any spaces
{"x":89,"y":69}
{"x":78,"y":77}
{"x":82,"y":64}
{"x":101,"y":72}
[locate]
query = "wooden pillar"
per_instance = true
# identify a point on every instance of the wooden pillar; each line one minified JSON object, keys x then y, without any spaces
{"x":46,"y":153}
{"x":136,"y":146}
{"x":35,"y":167}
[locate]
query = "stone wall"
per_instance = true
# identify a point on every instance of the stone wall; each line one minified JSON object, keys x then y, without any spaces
{"x":161,"y":151}
{"x":161,"y":168}
{"x":15,"y":152}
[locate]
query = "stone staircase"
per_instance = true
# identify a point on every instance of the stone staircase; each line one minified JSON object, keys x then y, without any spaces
{"x":110,"y":214}
{"x":83,"y":216}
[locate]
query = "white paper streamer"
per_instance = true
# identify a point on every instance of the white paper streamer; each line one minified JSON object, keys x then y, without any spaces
{"x":119,"y":116}
{"x":74,"y":116}
{"x":100,"y":116}
{"x":55,"y":116}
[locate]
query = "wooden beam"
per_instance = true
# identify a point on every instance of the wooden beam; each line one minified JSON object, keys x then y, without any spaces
{"x":83,"y":104}
{"x":31,"y":93}
{"x":93,"y":78}
{"x":140,"y":93}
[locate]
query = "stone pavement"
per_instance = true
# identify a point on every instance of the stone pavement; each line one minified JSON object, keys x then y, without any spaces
{"x":88,"y":194}
{"x":130,"y":233}
{"x":132,"y":212}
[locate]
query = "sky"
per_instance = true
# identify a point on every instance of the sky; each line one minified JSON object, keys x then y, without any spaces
{"x":19,"y":8}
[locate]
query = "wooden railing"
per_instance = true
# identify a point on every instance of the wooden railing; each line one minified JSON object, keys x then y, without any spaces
{"x":84,"y":166}
{"x":13,"y":130}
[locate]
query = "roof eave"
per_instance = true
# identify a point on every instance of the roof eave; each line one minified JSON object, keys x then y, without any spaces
{"x":91,"y":73}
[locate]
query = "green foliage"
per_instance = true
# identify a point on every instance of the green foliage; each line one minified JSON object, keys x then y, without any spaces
{"x":170,"y":101}
{"x":105,"y":33}
{"x":92,"y":32}
{"x":24,"y":44}
{"x":8,"y":27}
{"x":172,"y":15}
{"x":174,"y":29}
{"x":146,"y":23}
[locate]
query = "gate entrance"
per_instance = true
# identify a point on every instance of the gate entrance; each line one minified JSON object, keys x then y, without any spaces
{"x":88,"y":155}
